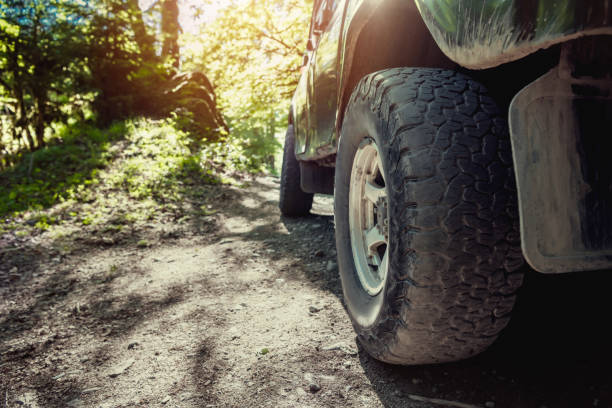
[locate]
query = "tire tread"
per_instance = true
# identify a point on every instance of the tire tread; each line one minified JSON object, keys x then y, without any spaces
{"x":455,"y":282}
{"x":293,"y":202}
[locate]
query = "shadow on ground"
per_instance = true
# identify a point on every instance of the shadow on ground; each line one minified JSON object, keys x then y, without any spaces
{"x":555,"y":353}
{"x":50,"y":323}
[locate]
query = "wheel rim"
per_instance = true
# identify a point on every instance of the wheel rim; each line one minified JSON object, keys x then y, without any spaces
{"x":369,"y":218}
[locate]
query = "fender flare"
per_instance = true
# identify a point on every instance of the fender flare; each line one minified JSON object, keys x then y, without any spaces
{"x":360,"y":51}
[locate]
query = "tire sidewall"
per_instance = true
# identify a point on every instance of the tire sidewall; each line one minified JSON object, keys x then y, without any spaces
{"x":360,"y":123}
{"x":293,"y":202}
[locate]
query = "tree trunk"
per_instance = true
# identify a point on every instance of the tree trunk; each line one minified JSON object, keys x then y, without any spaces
{"x":21,"y":120}
{"x":29,"y":138}
{"x":39,"y":124}
{"x":141,"y":36}
{"x":170,"y":31}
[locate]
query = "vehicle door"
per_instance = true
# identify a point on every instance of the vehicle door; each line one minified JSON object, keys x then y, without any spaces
{"x":326,"y":27}
{"x":303,"y":93}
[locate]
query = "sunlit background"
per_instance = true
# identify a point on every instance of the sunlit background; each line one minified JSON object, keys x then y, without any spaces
{"x":205,"y":95}
{"x":193,"y":13}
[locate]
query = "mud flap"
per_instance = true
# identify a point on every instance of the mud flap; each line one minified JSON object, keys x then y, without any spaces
{"x":316,"y":179}
{"x":561,"y":131}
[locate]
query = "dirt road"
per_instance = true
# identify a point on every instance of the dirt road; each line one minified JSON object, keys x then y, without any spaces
{"x":244,"y":309}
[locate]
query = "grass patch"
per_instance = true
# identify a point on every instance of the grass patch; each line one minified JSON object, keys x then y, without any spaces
{"x":130,"y":174}
{"x":49,"y":175}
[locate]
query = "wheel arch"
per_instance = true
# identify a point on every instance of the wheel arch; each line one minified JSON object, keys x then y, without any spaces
{"x":369,"y":46}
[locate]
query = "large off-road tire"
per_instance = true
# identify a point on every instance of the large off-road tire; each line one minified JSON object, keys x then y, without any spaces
{"x":293,"y":201}
{"x":426,"y":216}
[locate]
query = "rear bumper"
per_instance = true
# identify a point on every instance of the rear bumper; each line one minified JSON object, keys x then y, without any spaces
{"x":484,"y":34}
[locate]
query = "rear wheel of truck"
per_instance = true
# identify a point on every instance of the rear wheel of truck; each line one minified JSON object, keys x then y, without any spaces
{"x":426,"y":216}
{"x":293,"y":202}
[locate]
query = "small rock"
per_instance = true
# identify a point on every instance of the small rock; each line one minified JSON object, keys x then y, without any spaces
{"x":166,"y":400}
{"x":342,"y":347}
{"x":314,"y":309}
{"x":120,"y":369}
{"x":187,"y":396}
{"x":347,"y":364}
{"x":331,"y":266}
{"x":14,"y":269}
{"x":90,"y":390}
{"x":132,"y":345}
{"x":490,"y":404}
{"x":319,"y":254}
{"x":28,"y":400}
{"x":314,"y":387}
{"x":207,"y":382}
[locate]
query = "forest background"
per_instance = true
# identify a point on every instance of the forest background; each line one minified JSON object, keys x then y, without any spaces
{"x":112,"y":110}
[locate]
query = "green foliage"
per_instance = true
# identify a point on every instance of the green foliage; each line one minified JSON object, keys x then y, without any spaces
{"x":42,"y":66}
{"x":69,"y":68}
{"x":49,"y":175}
{"x":89,"y":174}
{"x":252,"y":52}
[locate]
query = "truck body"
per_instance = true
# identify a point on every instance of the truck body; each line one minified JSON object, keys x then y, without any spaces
{"x":547,"y":56}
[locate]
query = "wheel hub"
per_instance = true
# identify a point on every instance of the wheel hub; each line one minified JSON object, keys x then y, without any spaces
{"x":369,"y":217}
{"x":382,"y":214}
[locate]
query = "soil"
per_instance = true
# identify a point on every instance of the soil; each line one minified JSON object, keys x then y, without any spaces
{"x":243,"y":308}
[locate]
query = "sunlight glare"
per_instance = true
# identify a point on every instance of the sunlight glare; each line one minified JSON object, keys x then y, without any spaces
{"x":193,"y":13}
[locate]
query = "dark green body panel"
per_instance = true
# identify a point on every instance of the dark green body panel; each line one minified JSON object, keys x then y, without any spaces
{"x":474,"y":34}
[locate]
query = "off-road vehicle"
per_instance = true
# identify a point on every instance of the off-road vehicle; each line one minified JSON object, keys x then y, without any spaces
{"x":458,"y":137}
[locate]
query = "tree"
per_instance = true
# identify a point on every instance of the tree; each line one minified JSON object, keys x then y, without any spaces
{"x":170,"y":29}
{"x":122,"y":59}
{"x":41,"y":55}
{"x":252,"y":52}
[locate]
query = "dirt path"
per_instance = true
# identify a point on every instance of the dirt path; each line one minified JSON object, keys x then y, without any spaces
{"x":244,"y":309}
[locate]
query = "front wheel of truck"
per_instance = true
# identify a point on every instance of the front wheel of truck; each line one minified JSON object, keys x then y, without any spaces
{"x":426,"y":216}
